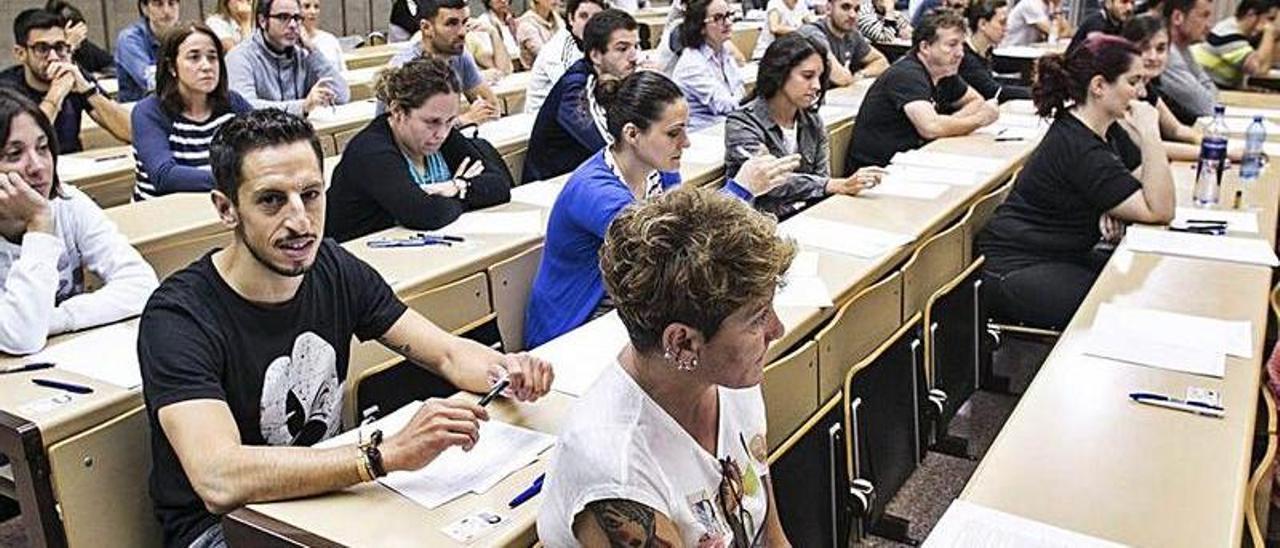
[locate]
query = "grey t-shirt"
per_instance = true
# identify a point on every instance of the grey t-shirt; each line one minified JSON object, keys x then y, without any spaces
{"x":1186,"y":83}
{"x":849,"y":49}
{"x":464,"y":65}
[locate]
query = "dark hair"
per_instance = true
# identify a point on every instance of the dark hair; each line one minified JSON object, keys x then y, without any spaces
{"x":409,"y":86}
{"x":34,"y":19}
{"x":1064,"y":78}
{"x":145,"y":2}
{"x":428,"y":9}
{"x":13,"y":104}
{"x":1170,"y":6}
{"x":1141,"y":28}
{"x":638,"y":100}
{"x":167,"y":70}
{"x":784,"y":55}
{"x":1260,"y":7}
{"x":251,"y":131}
{"x":982,"y":10}
{"x":695,"y":20}
{"x":937,"y":19}
{"x":63,"y":8}
{"x":263,"y":11}
{"x":571,"y":7}
{"x":595,"y":36}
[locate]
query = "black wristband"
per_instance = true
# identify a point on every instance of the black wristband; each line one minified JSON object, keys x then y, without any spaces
{"x":374,"y":455}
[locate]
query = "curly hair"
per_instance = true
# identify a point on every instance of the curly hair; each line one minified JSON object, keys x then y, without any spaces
{"x":693,"y":256}
{"x":409,"y":86}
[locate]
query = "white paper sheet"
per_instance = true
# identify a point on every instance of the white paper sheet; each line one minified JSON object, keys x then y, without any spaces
{"x":841,"y":237}
{"x":893,"y":186}
{"x":1202,"y":246}
{"x":72,"y":167}
{"x":1197,"y":361}
{"x":949,"y":161}
{"x":1250,"y":112}
{"x":803,"y":287}
{"x":1175,"y":329}
{"x":507,"y":129}
{"x":539,"y":193}
{"x":502,"y":449}
{"x":1237,"y":221}
{"x":831,"y":113}
{"x":108,"y":354}
{"x":581,"y":354}
{"x":1021,"y":52}
{"x":497,"y":222}
{"x":704,"y":146}
{"x":355,"y":110}
{"x":1238,"y":125}
{"x":922,"y":174}
{"x":967,"y":525}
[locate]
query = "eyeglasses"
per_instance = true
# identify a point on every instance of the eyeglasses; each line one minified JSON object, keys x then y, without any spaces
{"x":43,"y":48}
{"x":730,"y":499}
{"x":719,"y":18}
{"x":286,"y":18}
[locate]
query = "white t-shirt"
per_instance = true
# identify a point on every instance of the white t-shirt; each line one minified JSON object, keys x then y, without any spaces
{"x":792,"y":17}
{"x":1022,"y":23}
{"x":619,"y":444}
{"x":789,"y":137}
{"x":552,"y":62}
{"x":224,"y":28}
{"x":327,"y":44}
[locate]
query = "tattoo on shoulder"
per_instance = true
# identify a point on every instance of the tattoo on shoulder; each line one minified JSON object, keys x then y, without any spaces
{"x":402,"y":349}
{"x":627,"y":524}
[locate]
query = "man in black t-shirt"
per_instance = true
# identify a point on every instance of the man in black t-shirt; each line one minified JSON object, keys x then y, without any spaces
{"x":247,"y":348}
{"x":850,"y":56}
{"x":46,"y":74}
{"x":1109,"y":20}
{"x":920,"y":98}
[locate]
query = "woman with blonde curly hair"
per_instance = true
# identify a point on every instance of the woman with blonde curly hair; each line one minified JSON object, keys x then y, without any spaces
{"x":668,"y":446}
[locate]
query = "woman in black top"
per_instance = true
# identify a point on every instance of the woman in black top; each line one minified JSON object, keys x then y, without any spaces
{"x":1101,"y":164}
{"x":410,"y":166}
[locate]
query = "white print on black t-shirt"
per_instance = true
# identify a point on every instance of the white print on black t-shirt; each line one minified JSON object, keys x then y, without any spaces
{"x":301,"y":394}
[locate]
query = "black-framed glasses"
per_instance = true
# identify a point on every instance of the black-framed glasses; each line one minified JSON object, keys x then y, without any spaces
{"x":43,"y":48}
{"x":718,"y":18}
{"x":729,"y":497}
{"x":286,"y":18}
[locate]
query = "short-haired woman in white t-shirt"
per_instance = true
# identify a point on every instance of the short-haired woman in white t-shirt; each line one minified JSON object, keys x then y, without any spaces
{"x":668,"y":446}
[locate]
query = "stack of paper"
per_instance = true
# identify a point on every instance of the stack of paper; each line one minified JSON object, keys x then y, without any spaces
{"x":1237,"y":221}
{"x":801,"y":285}
{"x":355,"y":110}
{"x":897,"y":187}
{"x":842,"y":238}
{"x":108,"y":354}
{"x":581,"y":354}
{"x":508,"y":128}
{"x":1247,"y":112}
{"x":539,"y":193}
{"x":967,"y":524}
{"x":922,"y":174}
{"x":1202,"y":246}
{"x":1021,"y":52}
{"x":1168,"y":340}
{"x":1238,"y":126}
{"x":501,"y":450}
{"x":832,"y":113}
{"x":949,"y":161}
{"x":72,"y":167}
{"x":497,"y":222}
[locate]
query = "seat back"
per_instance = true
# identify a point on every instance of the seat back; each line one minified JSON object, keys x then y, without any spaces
{"x":790,"y":389}
{"x":1258,"y":506}
{"x":883,"y":420}
{"x":510,"y":282}
{"x":808,"y":472}
{"x":980,"y":214}
{"x":954,"y":321}
{"x":858,"y":328}
{"x":937,"y":261}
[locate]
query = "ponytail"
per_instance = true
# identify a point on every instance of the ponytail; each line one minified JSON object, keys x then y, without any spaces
{"x":639,"y":100}
{"x":1052,"y":88}
{"x":1063,"y":80}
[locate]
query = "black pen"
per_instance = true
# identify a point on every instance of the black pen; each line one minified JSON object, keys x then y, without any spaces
{"x":493,"y":392}
{"x":1210,"y":230}
{"x":36,"y":366}
{"x":445,"y":237}
{"x":1206,"y":222}
{"x":59,"y":385}
{"x":110,"y":158}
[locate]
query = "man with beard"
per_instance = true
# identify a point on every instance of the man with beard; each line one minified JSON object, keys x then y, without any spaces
{"x":570,"y":126}
{"x":850,"y":57}
{"x":46,"y":74}
{"x":920,"y":98}
{"x":275,"y":69}
{"x":1109,"y":20}
{"x":244,"y":353}
{"x":443,"y":27}
{"x":136,"y":48}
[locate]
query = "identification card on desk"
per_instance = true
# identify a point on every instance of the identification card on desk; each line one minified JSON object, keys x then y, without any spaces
{"x":473,"y":526}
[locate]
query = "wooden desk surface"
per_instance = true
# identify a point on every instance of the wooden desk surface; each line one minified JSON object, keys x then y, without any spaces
{"x":372,"y":56}
{"x":1076,"y":453}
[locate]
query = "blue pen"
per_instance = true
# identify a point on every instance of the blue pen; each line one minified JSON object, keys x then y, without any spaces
{"x":528,"y":493}
{"x":69,"y":387}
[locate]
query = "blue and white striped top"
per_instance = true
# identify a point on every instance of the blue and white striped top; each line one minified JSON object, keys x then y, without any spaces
{"x":172,"y":154}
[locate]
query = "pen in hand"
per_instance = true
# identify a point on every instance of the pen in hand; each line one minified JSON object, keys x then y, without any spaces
{"x":497,"y":388}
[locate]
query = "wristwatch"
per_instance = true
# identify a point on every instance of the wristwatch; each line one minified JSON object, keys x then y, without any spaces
{"x":373,"y":456}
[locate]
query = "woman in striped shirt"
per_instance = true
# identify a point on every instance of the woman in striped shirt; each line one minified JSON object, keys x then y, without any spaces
{"x":172,"y":128}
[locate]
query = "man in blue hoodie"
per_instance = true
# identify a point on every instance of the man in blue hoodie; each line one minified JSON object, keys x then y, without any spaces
{"x":136,"y":48}
{"x":276,"y":69}
{"x":570,"y":126}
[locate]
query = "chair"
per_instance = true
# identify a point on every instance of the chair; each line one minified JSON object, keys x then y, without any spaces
{"x":980,"y":213}
{"x":510,"y":282}
{"x":790,"y":390}
{"x":881,"y":405}
{"x":1261,"y":481}
{"x":858,"y":328}
{"x":808,"y":472}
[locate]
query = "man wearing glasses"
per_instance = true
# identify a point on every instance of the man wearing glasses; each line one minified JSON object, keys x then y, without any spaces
{"x":46,"y":74}
{"x":275,"y":69}
{"x":848,"y":53}
{"x":136,"y":48}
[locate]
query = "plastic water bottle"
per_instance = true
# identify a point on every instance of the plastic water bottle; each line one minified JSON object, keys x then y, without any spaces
{"x":1213,"y":159}
{"x":1254,"y":138}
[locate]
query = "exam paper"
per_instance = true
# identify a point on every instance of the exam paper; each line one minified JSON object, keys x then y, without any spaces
{"x":802,"y":287}
{"x":1153,"y":353}
{"x":922,"y":174}
{"x":967,"y":524}
{"x":1248,"y":112}
{"x":893,"y":186}
{"x":507,"y":129}
{"x":539,"y":193}
{"x":1237,"y":221}
{"x":580,"y":355}
{"x":949,"y":160}
{"x":497,"y":222}
{"x":1175,"y":329}
{"x":73,"y":167}
{"x":1021,"y":52}
{"x":841,"y":237}
{"x":355,"y":110}
{"x":1239,"y":125}
{"x":108,"y":354}
{"x":1201,"y":246}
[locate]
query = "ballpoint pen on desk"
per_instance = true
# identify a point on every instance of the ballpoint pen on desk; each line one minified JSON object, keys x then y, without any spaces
{"x":528,"y":493}
{"x":36,"y":366}
{"x":1210,"y":230}
{"x":1168,"y":402}
{"x":417,"y":240}
{"x":59,"y":385}
{"x":120,"y":156}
